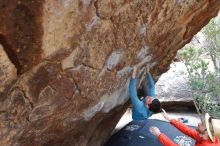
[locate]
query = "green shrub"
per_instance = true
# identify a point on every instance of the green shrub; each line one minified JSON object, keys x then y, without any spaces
{"x":205,"y":84}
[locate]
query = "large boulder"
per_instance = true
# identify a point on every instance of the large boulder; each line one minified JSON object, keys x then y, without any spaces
{"x":173,"y":88}
{"x":65,"y":64}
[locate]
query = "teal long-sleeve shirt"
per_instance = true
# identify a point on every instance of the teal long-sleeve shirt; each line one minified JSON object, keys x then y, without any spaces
{"x":140,"y":111}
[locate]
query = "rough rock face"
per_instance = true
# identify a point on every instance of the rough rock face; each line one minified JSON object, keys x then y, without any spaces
{"x":65,"y":64}
{"x":172,"y":85}
{"x":172,"y":88}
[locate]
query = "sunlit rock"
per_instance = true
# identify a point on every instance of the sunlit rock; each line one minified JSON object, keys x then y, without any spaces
{"x":65,"y":65}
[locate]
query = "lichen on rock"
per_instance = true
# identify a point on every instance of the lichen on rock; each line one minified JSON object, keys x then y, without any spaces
{"x":65,"y":65}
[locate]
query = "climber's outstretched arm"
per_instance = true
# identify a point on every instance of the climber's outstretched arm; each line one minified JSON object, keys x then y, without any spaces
{"x":151,"y":86}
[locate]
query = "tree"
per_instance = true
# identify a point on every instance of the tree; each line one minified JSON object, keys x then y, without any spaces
{"x":205,"y":84}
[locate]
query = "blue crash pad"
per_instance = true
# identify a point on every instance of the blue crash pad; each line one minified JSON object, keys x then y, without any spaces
{"x":136,"y":133}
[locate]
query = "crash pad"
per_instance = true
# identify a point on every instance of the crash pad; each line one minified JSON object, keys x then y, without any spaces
{"x":136,"y":133}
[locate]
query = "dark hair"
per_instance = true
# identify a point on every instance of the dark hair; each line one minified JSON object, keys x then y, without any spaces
{"x":155,"y":106}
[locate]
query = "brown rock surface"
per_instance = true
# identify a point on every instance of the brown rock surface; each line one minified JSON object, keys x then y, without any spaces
{"x":65,"y":64}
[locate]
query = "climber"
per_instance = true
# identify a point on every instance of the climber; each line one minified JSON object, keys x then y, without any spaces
{"x":206,"y":134}
{"x":143,"y":109}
